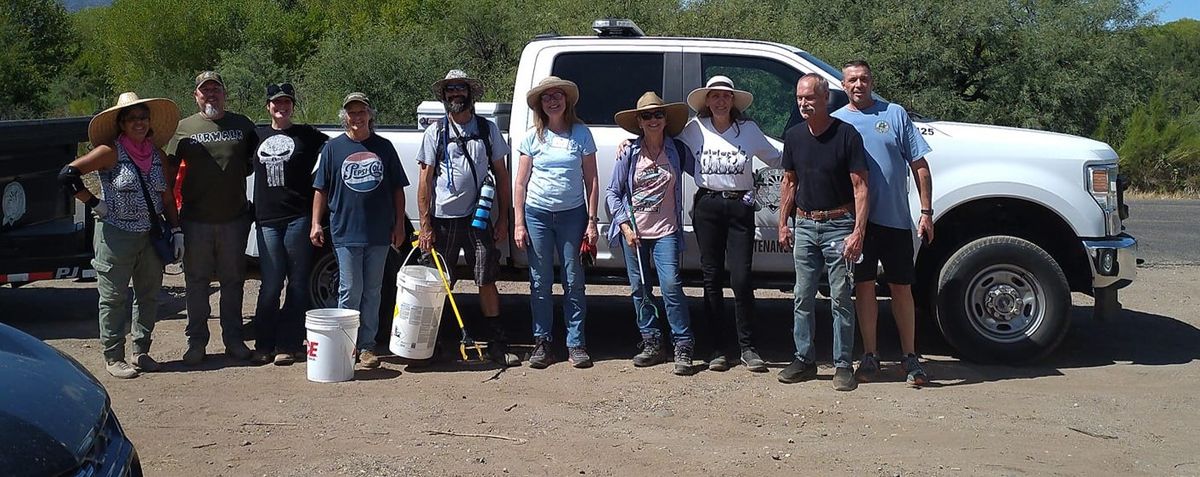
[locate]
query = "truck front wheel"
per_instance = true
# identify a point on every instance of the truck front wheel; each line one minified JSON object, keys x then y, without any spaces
{"x":1002,"y":300}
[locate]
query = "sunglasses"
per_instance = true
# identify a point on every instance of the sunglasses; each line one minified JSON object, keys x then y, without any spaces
{"x":648,"y":115}
{"x":455,"y":87}
{"x":553,"y":96}
{"x":285,"y":88}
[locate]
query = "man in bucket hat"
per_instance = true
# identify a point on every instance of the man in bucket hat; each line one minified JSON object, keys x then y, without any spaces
{"x":360,"y":180}
{"x":217,"y":146}
{"x":460,"y":155}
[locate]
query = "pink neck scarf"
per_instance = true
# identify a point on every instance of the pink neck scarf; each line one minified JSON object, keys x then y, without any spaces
{"x":141,"y":153}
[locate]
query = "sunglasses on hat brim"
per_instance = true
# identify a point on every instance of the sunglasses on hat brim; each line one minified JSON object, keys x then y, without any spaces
{"x":285,"y":88}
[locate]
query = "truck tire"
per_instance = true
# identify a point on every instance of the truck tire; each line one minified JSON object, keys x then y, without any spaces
{"x":323,"y":279}
{"x":1002,"y":300}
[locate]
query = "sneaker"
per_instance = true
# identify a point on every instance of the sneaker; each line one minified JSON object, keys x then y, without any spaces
{"x":540,"y":357}
{"x":578,"y":356}
{"x":652,"y":352}
{"x":916,"y":374}
{"x":238,"y":351}
{"x":683,"y":359}
{"x":120,"y":369}
{"x":718,"y":362}
{"x":498,"y":352}
{"x":753,"y":362}
{"x":144,"y":363}
{"x":194,"y":355}
{"x":843,"y":379}
{"x":867,"y":368}
{"x":283,"y":359}
{"x":797,"y":372}
{"x":367,"y":359}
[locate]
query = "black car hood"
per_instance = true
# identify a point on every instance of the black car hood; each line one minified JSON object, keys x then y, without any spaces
{"x":50,"y":407}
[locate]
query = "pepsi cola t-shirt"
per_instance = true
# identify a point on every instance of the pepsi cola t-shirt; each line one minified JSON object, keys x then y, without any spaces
{"x":360,"y":179}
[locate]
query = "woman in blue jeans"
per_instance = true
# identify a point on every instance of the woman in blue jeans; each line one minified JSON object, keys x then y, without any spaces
{"x":555,"y":202}
{"x":645,"y":202}
{"x":283,"y":194}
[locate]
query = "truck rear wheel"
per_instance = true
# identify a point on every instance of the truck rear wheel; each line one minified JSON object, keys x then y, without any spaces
{"x":323,"y":288}
{"x":1002,"y":300}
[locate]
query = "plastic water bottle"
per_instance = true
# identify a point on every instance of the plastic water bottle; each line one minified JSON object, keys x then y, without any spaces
{"x":483,"y":210}
{"x":839,"y":246}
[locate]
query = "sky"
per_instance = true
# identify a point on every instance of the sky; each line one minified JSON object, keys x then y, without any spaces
{"x":1171,"y":10}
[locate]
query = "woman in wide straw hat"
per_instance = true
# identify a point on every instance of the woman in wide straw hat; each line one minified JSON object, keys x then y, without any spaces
{"x":645,"y":202}
{"x":127,"y":142}
{"x":726,"y":144}
{"x":555,"y":199}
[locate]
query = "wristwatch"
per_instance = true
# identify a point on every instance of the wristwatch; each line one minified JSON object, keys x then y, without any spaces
{"x":594,"y":218}
{"x":928,"y":212}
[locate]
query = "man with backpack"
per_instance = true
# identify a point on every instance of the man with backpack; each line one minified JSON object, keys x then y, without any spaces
{"x":462,"y":162}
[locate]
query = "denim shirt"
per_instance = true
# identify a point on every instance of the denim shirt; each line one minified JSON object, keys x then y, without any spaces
{"x":620,"y":187}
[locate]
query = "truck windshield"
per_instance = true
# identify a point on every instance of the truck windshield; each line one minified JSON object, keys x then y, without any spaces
{"x":836,"y":73}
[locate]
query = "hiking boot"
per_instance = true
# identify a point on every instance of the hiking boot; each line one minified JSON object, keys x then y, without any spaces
{"x":843,"y":379}
{"x":652,"y":352}
{"x":916,"y":374}
{"x":238,"y":351}
{"x":752,"y":361}
{"x":683,"y":359}
{"x":283,"y":359}
{"x":578,"y":356}
{"x":867,"y":368}
{"x":367,"y":359}
{"x":797,"y":372}
{"x":718,"y":362}
{"x":498,"y":352}
{"x":120,"y":369}
{"x":194,"y":355}
{"x":540,"y":357}
{"x":144,"y":363}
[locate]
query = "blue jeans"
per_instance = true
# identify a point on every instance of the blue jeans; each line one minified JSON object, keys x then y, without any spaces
{"x":360,"y":279}
{"x":561,"y":233}
{"x":284,"y":251}
{"x":665,"y":255}
{"x":813,"y":249}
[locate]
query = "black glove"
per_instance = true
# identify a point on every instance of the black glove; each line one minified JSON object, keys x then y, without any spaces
{"x":71,"y":179}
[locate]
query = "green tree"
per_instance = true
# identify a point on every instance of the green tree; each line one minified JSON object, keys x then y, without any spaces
{"x":36,"y":44}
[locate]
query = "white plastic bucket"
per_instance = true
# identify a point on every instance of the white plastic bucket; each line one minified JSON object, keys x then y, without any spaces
{"x":331,"y":336}
{"x":418,"y":312}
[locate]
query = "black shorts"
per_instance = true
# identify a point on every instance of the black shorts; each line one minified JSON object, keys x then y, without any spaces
{"x":454,"y":235}
{"x":891,"y":246}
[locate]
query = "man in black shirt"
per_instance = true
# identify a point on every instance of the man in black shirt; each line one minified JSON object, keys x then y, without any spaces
{"x":825,"y":187}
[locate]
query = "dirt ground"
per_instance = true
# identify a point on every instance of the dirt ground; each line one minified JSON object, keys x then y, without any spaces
{"x":1118,"y":398}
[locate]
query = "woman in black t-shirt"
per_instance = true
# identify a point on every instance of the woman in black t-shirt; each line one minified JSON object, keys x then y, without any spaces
{"x":283,"y":165}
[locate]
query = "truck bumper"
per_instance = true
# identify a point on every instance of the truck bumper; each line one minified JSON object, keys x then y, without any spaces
{"x":1114,"y":266}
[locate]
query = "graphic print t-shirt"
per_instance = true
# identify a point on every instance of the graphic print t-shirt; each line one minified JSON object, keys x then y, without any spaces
{"x":218,"y":156}
{"x":360,"y":179}
{"x":654,"y":196}
{"x":283,"y":172}
{"x":724,"y":161}
{"x":892,"y":142}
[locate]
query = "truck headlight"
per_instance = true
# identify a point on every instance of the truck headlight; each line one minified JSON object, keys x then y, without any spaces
{"x":1102,"y":185}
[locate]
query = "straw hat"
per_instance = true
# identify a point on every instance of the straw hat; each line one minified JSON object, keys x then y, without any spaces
{"x":677,"y":114}
{"x":164,"y":118}
{"x":439,"y":86}
{"x":534,"y":97}
{"x":741,"y":99}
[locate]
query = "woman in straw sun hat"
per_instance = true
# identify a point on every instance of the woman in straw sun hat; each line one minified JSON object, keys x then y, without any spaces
{"x":645,"y":202}
{"x":127,"y":142}
{"x":726,"y":144}
{"x":555,"y":200}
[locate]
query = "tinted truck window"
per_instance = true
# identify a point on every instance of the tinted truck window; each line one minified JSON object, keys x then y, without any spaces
{"x":610,"y":82}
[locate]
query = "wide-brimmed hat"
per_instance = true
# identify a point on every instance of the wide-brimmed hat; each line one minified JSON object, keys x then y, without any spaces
{"x":164,"y":118}
{"x":677,"y":114}
{"x":534,"y":97}
{"x":741,"y":99}
{"x":439,"y":86}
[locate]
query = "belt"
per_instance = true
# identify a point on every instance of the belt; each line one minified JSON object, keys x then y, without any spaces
{"x":823,"y":215}
{"x":728,"y":194}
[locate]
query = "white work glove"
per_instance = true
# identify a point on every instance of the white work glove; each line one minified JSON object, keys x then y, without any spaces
{"x":101,"y":210}
{"x":177,"y":243}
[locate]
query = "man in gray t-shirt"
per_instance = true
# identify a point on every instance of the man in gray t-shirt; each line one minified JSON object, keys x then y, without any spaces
{"x":461,"y":155}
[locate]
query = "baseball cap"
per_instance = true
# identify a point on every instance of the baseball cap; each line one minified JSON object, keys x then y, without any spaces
{"x":209,"y":76}
{"x":281,"y":90}
{"x":356,"y":96}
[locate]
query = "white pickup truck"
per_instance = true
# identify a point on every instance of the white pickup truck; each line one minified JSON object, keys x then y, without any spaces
{"x":1022,"y":217}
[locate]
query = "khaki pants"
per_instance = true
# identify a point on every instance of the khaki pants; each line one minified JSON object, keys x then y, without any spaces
{"x":121,"y":257}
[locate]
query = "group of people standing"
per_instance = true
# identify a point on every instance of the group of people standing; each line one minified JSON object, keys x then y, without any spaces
{"x":844,"y":195}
